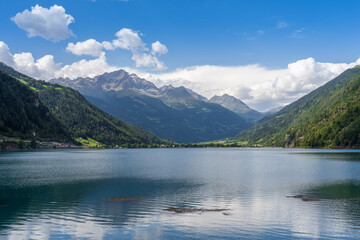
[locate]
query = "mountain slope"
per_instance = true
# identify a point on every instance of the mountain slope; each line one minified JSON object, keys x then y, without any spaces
{"x":169,"y":112}
{"x":81,"y":117}
{"x":23,"y":115}
{"x":237,"y":106}
{"x":327,"y":117}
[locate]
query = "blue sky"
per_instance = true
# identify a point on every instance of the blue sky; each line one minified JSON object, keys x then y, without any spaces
{"x":270,"y":34}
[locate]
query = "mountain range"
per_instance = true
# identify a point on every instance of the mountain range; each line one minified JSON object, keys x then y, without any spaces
{"x":327,"y":117}
{"x":175,"y":113}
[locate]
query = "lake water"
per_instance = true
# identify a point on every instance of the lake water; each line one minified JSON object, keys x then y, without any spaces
{"x":63,"y":194}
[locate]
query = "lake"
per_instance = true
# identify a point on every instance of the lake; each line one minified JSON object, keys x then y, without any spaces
{"x":180,"y":194}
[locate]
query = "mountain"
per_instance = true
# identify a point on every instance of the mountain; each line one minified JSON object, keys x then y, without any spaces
{"x":114,"y":81}
{"x":174,"y":113}
{"x":327,"y":117}
{"x":237,"y":106}
{"x":23,"y":114}
{"x":82,"y":119}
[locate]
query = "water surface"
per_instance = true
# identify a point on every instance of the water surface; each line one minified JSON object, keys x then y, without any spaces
{"x":63,"y":194}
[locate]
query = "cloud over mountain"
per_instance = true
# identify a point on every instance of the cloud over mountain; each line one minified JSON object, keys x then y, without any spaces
{"x":46,"y":68}
{"x":50,"y":23}
{"x":256,"y":85}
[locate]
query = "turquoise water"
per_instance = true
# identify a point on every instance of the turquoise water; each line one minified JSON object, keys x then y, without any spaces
{"x":64,"y":194}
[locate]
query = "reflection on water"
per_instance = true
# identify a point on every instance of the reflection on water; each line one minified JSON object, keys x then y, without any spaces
{"x":63,"y":194}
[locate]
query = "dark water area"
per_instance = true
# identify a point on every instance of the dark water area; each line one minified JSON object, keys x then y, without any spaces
{"x":180,"y":194}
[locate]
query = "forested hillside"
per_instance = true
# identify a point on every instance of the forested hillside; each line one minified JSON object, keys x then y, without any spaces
{"x":327,"y":117}
{"x":23,"y":115}
{"x":81,"y":118}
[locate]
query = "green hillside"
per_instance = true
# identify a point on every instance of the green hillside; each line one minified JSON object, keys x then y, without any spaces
{"x":23,"y":115}
{"x":327,"y":117}
{"x":81,"y":118}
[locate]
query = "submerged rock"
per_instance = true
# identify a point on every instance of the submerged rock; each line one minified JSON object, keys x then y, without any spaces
{"x":124,"y":198}
{"x":309,"y":198}
{"x":306,"y":198}
{"x":194,"y":210}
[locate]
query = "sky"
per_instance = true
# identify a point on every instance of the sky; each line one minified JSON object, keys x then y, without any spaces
{"x":266,"y":53}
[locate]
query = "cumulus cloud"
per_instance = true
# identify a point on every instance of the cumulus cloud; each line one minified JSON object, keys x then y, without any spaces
{"x":158,"y":48}
{"x":51,"y":24}
{"x":130,"y":40}
{"x":46,"y":68}
{"x":89,"y":47}
{"x":258,"y":86}
{"x":5,"y":55}
{"x":86,"y":68}
{"x":41,"y":68}
{"x":127,"y":39}
{"x":147,"y":60}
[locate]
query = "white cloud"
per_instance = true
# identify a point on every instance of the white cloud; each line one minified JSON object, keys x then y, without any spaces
{"x":89,"y":47}
{"x":107,"y":45}
{"x":46,"y":68}
{"x":51,"y":24}
{"x":158,"y":48}
{"x":86,"y":68}
{"x":147,"y":60}
{"x":42,"y":68}
{"x":128,"y":39}
{"x":5,"y":55}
